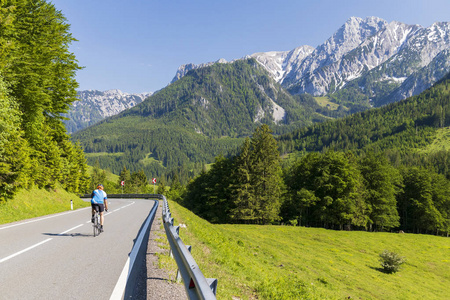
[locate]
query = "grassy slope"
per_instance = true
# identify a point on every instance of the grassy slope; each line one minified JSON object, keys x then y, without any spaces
{"x":36,"y":202}
{"x":281,"y":262}
{"x":440,"y":142}
{"x":109,"y":176}
{"x":326,"y":102}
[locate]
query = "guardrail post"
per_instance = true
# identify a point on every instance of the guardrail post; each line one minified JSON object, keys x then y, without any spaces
{"x":212,"y":284}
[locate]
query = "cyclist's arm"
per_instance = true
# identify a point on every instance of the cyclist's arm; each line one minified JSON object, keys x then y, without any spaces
{"x":106,"y":204}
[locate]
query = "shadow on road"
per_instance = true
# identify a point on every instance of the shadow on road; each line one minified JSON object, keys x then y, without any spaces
{"x":69,"y":234}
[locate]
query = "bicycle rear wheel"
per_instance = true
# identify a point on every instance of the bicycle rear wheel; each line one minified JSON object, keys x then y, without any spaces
{"x":96,"y":225}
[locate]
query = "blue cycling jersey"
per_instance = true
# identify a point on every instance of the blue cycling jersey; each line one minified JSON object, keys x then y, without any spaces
{"x":98,"y":197}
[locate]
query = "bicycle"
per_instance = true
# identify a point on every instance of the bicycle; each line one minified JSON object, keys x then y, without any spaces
{"x":96,"y":225}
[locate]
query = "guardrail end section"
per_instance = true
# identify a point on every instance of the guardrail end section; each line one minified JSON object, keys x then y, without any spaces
{"x":212,"y":284}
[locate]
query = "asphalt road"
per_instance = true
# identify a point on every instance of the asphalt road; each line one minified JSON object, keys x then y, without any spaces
{"x":57,"y":257}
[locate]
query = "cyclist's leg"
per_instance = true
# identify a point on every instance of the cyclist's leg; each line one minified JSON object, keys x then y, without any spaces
{"x":101,"y":208}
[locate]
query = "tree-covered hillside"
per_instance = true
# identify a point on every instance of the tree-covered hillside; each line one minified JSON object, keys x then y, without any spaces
{"x":37,"y":85}
{"x":373,"y":171}
{"x":398,"y":128}
{"x":206,"y":113}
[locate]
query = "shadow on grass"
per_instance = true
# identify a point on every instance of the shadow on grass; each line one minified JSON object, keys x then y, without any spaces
{"x":382,"y":270}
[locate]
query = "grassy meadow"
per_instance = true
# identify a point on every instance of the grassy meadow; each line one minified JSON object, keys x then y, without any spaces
{"x":440,"y":142}
{"x":326,"y":102}
{"x":36,"y":202}
{"x":285,"y":262}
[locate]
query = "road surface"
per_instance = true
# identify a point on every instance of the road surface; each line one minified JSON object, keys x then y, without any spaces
{"x":57,"y":256}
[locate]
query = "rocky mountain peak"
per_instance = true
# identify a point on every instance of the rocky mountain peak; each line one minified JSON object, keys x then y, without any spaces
{"x":93,"y":106}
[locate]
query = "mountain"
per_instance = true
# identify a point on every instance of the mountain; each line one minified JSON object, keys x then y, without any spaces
{"x":207,"y":112}
{"x":366,"y":62}
{"x":94,"y":106}
{"x":403,"y":129}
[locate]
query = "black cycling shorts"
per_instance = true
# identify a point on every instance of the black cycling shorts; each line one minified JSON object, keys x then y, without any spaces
{"x":100,"y":207}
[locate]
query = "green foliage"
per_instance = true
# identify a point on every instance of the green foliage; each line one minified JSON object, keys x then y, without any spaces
{"x":37,"y":84}
{"x":424,"y":202}
{"x":265,"y":175}
{"x":382,"y":184}
{"x":14,"y":149}
{"x":98,"y":176}
{"x":246,"y":188}
{"x":335,"y":189}
{"x":326,"y":190}
{"x":391,"y":261}
{"x":176,"y":189}
{"x":161,"y":188}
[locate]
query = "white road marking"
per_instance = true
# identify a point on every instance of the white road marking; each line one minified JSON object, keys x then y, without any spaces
{"x":24,"y":250}
{"x":44,"y":218}
{"x":119,"y":289}
{"x":36,"y":245}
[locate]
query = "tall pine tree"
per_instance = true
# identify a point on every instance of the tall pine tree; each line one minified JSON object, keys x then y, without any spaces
{"x":265,"y":175}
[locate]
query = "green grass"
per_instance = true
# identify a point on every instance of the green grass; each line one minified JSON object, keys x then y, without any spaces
{"x":284,"y":262}
{"x":109,"y":176}
{"x":441,"y":141}
{"x":99,"y":154}
{"x":148,"y":160}
{"x":326,"y":102}
{"x":37,"y":202}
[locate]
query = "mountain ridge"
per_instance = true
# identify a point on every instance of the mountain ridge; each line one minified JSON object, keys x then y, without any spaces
{"x":367,"y":58}
{"x":94,"y":106}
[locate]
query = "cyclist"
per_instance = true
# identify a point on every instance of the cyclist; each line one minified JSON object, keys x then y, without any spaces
{"x":99,"y":202}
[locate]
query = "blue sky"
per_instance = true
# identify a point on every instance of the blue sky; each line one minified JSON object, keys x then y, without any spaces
{"x":137,"y":45}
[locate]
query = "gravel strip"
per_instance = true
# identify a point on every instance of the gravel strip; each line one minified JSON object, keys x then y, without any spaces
{"x":159,"y":286}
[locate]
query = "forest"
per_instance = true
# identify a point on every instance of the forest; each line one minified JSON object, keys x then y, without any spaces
{"x":208,"y":112}
{"x":37,"y":85}
{"x":331,"y":189}
{"x":363,"y":172}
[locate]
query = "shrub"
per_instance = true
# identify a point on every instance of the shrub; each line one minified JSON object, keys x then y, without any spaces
{"x":391,"y":261}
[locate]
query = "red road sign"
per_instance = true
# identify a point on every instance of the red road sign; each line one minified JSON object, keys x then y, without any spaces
{"x":154,"y":180}
{"x":122,"y":183}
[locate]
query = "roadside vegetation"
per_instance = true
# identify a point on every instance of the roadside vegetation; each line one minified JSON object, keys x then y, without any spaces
{"x":34,"y":202}
{"x":287,"y":262}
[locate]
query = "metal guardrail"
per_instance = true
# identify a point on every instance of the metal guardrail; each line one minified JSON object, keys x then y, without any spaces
{"x":195,"y":283}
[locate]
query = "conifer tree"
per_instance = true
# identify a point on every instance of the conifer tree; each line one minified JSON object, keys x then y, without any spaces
{"x":176,"y":189}
{"x":14,"y":151}
{"x":126,"y":177}
{"x":161,"y":188}
{"x":265,"y":175}
{"x":245,"y":208}
{"x":39,"y":70}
